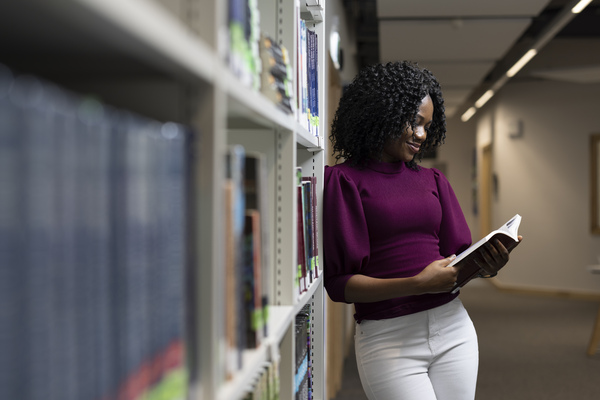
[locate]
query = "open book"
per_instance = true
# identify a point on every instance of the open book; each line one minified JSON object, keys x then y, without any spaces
{"x":470,"y":260}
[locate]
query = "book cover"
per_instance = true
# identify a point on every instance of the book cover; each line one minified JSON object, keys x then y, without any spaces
{"x":470,"y":260}
{"x":302,"y":272}
{"x":257,"y":198}
{"x":235,"y":164}
{"x":12,"y":249}
{"x":308,"y":228}
{"x":248,"y":278}
{"x":314,"y":222}
{"x":312,"y":82}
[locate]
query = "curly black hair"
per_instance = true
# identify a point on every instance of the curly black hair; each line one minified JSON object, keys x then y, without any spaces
{"x":379,"y":104}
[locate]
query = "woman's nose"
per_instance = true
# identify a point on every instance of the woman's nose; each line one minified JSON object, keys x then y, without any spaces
{"x":420,"y":133}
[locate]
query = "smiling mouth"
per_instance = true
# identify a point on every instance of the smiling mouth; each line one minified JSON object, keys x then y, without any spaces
{"x":414,"y":147}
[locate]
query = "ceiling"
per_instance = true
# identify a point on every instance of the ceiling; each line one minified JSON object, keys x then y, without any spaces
{"x":470,"y":44}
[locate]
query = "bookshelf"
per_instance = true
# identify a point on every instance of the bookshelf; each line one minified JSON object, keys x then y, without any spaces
{"x":167,"y":60}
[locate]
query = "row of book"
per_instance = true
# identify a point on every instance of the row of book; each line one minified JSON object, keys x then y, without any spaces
{"x":247,"y":262}
{"x":303,"y":355}
{"x":266,"y":383}
{"x":276,"y":75}
{"x":93,"y":243}
{"x":307,"y":79}
{"x":261,"y":63}
{"x":307,"y":231}
{"x":243,"y":56}
{"x":255,"y":58}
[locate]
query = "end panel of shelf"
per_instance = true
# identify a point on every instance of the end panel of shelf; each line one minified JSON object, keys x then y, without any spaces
{"x":108,"y":30}
{"x":308,"y":140}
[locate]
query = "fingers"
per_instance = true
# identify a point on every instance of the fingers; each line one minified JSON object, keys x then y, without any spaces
{"x":495,"y":256}
{"x":448,"y":260}
{"x":495,"y":253}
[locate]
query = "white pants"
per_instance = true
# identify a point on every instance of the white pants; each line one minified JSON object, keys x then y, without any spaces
{"x":430,"y":355}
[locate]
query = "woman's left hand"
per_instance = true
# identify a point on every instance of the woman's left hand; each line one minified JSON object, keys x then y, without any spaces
{"x":495,"y":255}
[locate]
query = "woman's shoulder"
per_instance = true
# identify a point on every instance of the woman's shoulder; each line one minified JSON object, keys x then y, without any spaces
{"x":432,"y":172}
{"x":432,"y":176}
{"x":342,"y":169}
{"x":334,"y":172}
{"x":341,"y":174}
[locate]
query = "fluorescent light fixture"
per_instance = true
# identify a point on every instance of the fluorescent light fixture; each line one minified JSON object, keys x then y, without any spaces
{"x":521,"y":63}
{"x":483,"y":99}
{"x":468,"y":114}
{"x":580,"y":6}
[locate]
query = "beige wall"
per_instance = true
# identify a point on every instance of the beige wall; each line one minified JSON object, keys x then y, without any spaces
{"x":544,"y":176}
{"x":455,"y":160}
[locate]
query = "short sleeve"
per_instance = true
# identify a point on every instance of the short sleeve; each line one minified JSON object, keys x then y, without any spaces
{"x":454,"y":234}
{"x":345,"y":236}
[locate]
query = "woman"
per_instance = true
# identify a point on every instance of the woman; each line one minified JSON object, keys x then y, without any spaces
{"x":390,"y":230}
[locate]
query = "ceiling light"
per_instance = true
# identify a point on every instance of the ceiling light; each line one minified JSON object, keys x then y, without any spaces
{"x":580,"y":6}
{"x":483,"y":99}
{"x":468,"y":114}
{"x":521,"y":63}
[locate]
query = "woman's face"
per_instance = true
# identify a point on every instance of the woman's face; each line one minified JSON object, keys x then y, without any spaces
{"x":408,"y":144}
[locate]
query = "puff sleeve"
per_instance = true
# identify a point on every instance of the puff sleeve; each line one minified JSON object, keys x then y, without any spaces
{"x":454,"y":234}
{"x":345,"y":235}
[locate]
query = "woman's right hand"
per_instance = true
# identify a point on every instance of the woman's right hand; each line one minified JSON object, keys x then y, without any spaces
{"x":437,"y":277}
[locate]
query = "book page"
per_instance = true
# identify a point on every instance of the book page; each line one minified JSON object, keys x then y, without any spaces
{"x":510,"y":229}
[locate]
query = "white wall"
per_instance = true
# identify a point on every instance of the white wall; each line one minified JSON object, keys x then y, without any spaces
{"x":544,"y":176}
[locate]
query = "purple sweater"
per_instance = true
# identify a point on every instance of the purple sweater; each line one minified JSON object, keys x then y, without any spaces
{"x":388,"y":221}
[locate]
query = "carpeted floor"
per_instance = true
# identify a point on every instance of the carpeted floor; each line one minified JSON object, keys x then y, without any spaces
{"x":531,"y":347}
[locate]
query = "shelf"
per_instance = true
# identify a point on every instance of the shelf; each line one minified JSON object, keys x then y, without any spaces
{"x":306,"y":296}
{"x":251,"y":109}
{"x":308,"y":140}
{"x":280,"y":318}
{"x":132,"y":32}
{"x":252,"y":361}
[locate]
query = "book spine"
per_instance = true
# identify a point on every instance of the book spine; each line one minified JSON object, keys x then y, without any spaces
{"x":99,"y":249}
{"x":244,"y":31}
{"x":235,"y":267}
{"x":12,"y":246}
{"x":301,"y":242}
{"x":314,"y":236}
{"x":311,"y":81}
{"x":316,"y":82}
{"x":308,"y":228}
